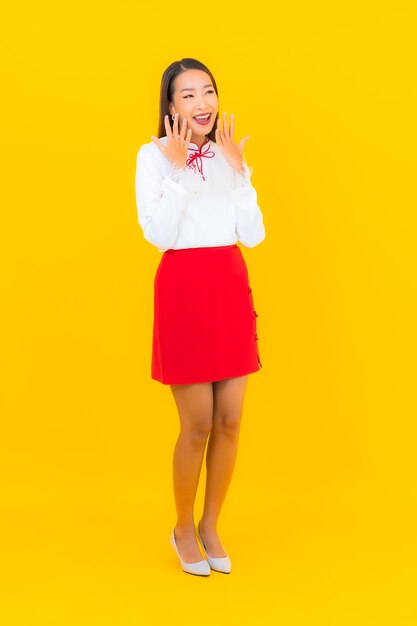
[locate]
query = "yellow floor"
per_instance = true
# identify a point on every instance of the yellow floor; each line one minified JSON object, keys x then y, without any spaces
{"x":300,"y":556}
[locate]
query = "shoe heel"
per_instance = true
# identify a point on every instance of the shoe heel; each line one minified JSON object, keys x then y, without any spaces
{"x":219,"y":564}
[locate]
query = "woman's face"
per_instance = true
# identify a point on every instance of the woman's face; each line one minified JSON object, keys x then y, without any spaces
{"x":194,"y":95}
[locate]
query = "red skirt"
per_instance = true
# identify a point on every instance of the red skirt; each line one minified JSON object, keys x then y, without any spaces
{"x":204,"y":326}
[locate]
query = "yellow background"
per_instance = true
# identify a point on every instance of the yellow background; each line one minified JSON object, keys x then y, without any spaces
{"x":320,"y":517}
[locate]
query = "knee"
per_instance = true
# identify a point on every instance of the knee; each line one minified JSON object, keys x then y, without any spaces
{"x":199,"y":431}
{"x":228,"y":423}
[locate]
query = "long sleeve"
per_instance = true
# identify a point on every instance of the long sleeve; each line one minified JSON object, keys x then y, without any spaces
{"x":250,"y":228}
{"x":160,"y":199}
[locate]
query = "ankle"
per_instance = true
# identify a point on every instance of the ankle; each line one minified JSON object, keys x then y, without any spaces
{"x":183,"y":530}
{"x":208,"y":525}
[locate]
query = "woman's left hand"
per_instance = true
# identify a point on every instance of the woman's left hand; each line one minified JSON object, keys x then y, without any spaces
{"x":232,"y":151}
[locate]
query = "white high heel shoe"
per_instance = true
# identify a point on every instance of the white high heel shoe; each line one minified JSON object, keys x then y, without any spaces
{"x":218,"y":563}
{"x":201,"y":568}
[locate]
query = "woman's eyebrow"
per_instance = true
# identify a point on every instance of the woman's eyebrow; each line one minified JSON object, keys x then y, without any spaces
{"x":193,"y":89}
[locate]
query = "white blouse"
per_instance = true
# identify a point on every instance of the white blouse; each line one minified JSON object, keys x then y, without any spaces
{"x":205,"y":204}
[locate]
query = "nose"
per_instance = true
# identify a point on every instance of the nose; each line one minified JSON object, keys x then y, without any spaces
{"x":202,"y":104}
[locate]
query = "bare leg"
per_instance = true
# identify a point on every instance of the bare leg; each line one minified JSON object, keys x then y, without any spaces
{"x":195,"y":408}
{"x":228,"y":396}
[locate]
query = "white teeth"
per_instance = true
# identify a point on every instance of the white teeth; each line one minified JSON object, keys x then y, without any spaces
{"x":202,"y":117}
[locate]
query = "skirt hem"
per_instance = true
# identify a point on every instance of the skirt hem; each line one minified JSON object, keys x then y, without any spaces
{"x":196,"y":382}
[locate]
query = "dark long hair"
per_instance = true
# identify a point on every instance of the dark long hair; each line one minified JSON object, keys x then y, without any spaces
{"x":167,"y":89}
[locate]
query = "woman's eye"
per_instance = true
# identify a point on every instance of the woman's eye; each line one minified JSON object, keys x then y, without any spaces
{"x":190,"y":94}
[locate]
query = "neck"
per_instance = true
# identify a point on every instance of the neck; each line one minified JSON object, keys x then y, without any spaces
{"x":200,"y":141}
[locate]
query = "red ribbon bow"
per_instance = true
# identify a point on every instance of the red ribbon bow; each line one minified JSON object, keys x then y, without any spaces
{"x":196,"y":156}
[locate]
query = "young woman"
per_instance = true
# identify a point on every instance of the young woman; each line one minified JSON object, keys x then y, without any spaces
{"x":195,"y":201}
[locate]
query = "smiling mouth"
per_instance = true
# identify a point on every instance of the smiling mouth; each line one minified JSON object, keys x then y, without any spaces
{"x":203,"y":121}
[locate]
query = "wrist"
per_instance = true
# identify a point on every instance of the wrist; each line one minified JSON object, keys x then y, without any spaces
{"x":242,"y":177}
{"x":238,"y":168}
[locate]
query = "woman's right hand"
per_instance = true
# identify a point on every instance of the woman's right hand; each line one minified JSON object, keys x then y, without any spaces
{"x":176,"y":149}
